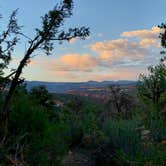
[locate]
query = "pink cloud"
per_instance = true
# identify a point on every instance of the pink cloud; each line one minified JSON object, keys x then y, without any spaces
{"x":133,"y":49}
{"x":79,"y":62}
{"x":118,"y":49}
{"x":145,"y":33}
{"x":73,"y":40}
{"x":118,"y":74}
{"x":67,"y":62}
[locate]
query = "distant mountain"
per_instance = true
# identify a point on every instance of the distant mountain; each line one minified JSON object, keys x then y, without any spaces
{"x":64,"y":87}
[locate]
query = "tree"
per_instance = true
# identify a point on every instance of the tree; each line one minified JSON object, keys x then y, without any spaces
{"x":75,"y":105}
{"x":42,"y":96}
{"x":8,"y":40}
{"x":50,"y":31}
{"x":163,"y":35}
{"x":121,"y":102}
{"x":152,"y":88}
{"x":152,"y":91}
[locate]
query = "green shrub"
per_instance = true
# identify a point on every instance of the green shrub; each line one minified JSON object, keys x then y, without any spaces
{"x":123,"y":136}
{"x":90,"y":119}
{"x":157,"y":154}
{"x":158,"y":129}
{"x":32,"y":138}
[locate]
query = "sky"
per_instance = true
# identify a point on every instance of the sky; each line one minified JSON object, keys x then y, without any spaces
{"x":123,"y":39}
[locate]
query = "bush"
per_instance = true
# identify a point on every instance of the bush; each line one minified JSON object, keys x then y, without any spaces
{"x":157,"y":155}
{"x":123,"y":137}
{"x":32,"y":138}
{"x":91,"y":126}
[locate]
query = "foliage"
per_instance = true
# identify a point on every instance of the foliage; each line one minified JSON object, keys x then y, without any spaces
{"x":8,"y":40}
{"x":42,"y":96}
{"x":157,"y":155}
{"x":35,"y":139}
{"x":123,"y":134}
{"x":32,"y":138}
{"x":51,"y":30}
{"x":120,"y":103}
{"x":163,"y":35}
{"x":38,"y":134}
{"x":152,"y":91}
{"x":152,"y":88}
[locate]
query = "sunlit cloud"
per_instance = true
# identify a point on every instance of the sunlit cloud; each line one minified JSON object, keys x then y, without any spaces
{"x":121,"y":74}
{"x":115,"y":59}
{"x":79,"y":62}
{"x":68,"y":62}
{"x":145,"y":33}
{"x":149,"y":43}
{"x":132,"y":46}
{"x":114,"y":50}
{"x":73,"y":40}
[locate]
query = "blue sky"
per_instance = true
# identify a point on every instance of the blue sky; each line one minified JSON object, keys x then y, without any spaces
{"x":123,"y":40}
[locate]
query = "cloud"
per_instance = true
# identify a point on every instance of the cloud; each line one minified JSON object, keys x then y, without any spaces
{"x":63,"y":74}
{"x":119,"y":49}
{"x":149,"y":43}
{"x":68,"y":62}
{"x":145,"y":33}
{"x":121,"y":73}
{"x":79,"y":62}
{"x":73,"y":40}
{"x":122,"y":58}
{"x":131,"y":47}
{"x":112,"y":53}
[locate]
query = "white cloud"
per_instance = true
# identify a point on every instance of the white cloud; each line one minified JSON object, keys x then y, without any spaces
{"x":132,"y":46}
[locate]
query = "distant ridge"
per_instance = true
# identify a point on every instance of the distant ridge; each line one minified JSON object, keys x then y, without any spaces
{"x":63,"y":87}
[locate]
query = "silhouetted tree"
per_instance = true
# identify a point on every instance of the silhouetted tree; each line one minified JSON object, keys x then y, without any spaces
{"x":51,"y":30}
{"x":163,"y":35}
{"x":152,"y":88}
{"x":152,"y":92}
{"x":8,"y":40}
{"x":75,"y":104}
{"x":42,"y":96}
{"x":121,"y":102}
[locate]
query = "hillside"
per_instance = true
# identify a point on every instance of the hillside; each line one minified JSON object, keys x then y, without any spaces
{"x":64,"y":87}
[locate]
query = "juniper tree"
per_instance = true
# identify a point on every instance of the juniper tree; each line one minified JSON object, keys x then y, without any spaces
{"x":162,"y":35}
{"x":8,"y":40}
{"x":121,"y":101}
{"x":152,"y":88}
{"x":51,"y":31}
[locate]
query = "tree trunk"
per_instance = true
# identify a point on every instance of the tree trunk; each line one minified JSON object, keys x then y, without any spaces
{"x":15,"y":80}
{"x":14,"y":84}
